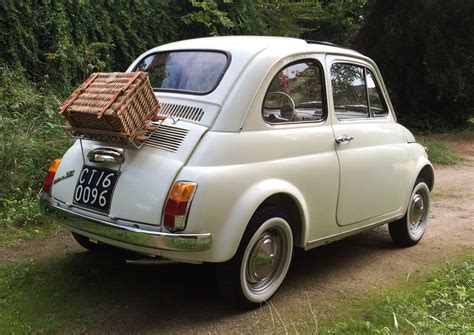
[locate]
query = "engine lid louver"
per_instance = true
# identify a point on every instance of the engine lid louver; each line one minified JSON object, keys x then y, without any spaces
{"x":167,"y":138}
{"x":182,"y":111}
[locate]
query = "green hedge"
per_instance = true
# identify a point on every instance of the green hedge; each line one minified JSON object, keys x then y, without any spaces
{"x":59,"y":43}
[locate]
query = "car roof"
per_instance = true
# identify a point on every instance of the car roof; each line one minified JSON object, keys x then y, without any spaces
{"x":256,"y":44}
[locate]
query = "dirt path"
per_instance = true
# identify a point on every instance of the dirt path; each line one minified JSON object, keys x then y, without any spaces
{"x":182,"y":298}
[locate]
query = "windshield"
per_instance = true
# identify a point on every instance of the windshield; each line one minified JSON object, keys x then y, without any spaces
{"x":197,"y":72}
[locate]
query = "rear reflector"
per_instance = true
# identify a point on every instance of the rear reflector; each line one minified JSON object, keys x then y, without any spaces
{"x":49,"y":178}
{"x":177,"y":205}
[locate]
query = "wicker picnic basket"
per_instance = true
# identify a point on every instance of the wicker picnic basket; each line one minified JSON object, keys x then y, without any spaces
{"x":112,"y":107}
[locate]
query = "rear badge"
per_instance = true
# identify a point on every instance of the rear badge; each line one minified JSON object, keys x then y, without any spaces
{"x":67,"y":175}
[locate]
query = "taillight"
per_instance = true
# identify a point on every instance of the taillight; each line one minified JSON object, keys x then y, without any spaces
{"x":177,"y":205}
{"x":48,"y":180}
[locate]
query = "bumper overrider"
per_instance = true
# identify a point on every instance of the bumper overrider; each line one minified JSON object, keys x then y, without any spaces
{"x":108,"y":230}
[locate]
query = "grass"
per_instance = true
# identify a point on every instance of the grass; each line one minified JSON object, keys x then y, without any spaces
{"x":440,"y":153}
{"x":439,"y":150}
{"x":30,"y":137}
{"x":441,"y":304}
{"x":78,"y":292}
{"x":13,"y":235}
{"x":50,"y":296}
{"x":35,"y":298}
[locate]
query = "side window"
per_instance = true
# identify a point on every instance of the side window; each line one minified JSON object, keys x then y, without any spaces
{"x":378,"y":107}
{"x":295,"y":94}
{"x":349,"y":91}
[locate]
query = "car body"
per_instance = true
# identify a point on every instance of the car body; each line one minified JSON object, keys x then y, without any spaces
{"x":270,"y":143}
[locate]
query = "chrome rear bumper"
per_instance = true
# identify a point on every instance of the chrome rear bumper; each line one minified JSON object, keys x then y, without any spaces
{"x":107,"y":230}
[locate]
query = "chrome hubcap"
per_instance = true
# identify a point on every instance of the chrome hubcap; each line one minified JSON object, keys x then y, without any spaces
{"x":418,"y":211}
{"x":265,"y":260}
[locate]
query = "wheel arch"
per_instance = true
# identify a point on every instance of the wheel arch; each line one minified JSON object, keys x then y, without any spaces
{"x":421,"y":166}
{"x":427,"y":173}
{"x":271,"y":192}
{"x":292,"y":207}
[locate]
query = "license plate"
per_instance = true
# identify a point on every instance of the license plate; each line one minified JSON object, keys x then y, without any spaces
{"x":95,"y":188}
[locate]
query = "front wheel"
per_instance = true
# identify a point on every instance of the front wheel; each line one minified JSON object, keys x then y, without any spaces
{"x":409,"y":230}
{"x":260,"y":265}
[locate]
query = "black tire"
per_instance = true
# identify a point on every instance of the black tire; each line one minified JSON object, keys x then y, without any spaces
{"x":261,"y":262}
{"x":87,"y":244}
{"x":409,"y":230}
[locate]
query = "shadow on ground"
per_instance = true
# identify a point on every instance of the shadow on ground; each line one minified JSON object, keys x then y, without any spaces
{"x":183,"y":297}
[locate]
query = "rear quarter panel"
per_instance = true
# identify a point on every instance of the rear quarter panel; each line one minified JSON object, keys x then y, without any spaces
{"x":236,"y":172}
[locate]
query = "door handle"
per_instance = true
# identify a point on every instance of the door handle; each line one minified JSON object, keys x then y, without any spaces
{"x":344,"y":138}
{"x":106,"y":155}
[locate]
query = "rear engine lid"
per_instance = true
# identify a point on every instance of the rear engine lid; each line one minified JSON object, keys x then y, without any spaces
{"x":135,"y":189}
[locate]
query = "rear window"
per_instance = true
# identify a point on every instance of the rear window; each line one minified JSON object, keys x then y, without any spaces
{"x":195,"y":72}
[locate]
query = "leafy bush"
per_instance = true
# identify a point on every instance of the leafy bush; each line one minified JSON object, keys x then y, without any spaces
{"x":30,"y":136}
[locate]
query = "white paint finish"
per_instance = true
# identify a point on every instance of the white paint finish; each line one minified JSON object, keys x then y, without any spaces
{"x":210,"y":110}
{"x":372,"y":163}
{"x":145,"y":176}
{"x":234,"y":181}
{"x":376,"y":160}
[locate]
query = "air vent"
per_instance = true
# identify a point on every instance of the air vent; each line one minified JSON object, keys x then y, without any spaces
{"x":167,"y":138}
{"x":182,"y":111}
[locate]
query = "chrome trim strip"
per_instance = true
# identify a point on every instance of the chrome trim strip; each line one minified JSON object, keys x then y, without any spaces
{"x":153,"y":239}
{"x":336,"y":237}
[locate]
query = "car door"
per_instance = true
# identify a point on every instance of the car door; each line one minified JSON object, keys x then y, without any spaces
{"x":369,"y":144}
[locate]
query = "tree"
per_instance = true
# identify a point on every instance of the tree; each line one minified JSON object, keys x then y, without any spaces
{"x":424,"y":49}
{"x":336,"y":21}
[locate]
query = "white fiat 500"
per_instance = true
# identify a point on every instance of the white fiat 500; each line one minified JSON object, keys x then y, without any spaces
{"x":269,"y":144}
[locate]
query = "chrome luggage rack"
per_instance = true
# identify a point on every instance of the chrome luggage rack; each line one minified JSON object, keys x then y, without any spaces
{"x":136,"y":141}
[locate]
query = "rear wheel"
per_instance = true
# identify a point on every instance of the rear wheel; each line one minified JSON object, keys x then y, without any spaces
{"x":260,"y":265}
{"x":86,"y":243}
{"x":409,"y":230}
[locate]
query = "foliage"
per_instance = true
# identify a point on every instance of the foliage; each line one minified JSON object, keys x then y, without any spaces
{"x":442,"y":305}
{"x":424,"y":50}
{"x":440,"y":153}
{"x":209,"y":16}
{"x":59,"y":43}
{"x":30,"y":135}
{"x":335,"y":21}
